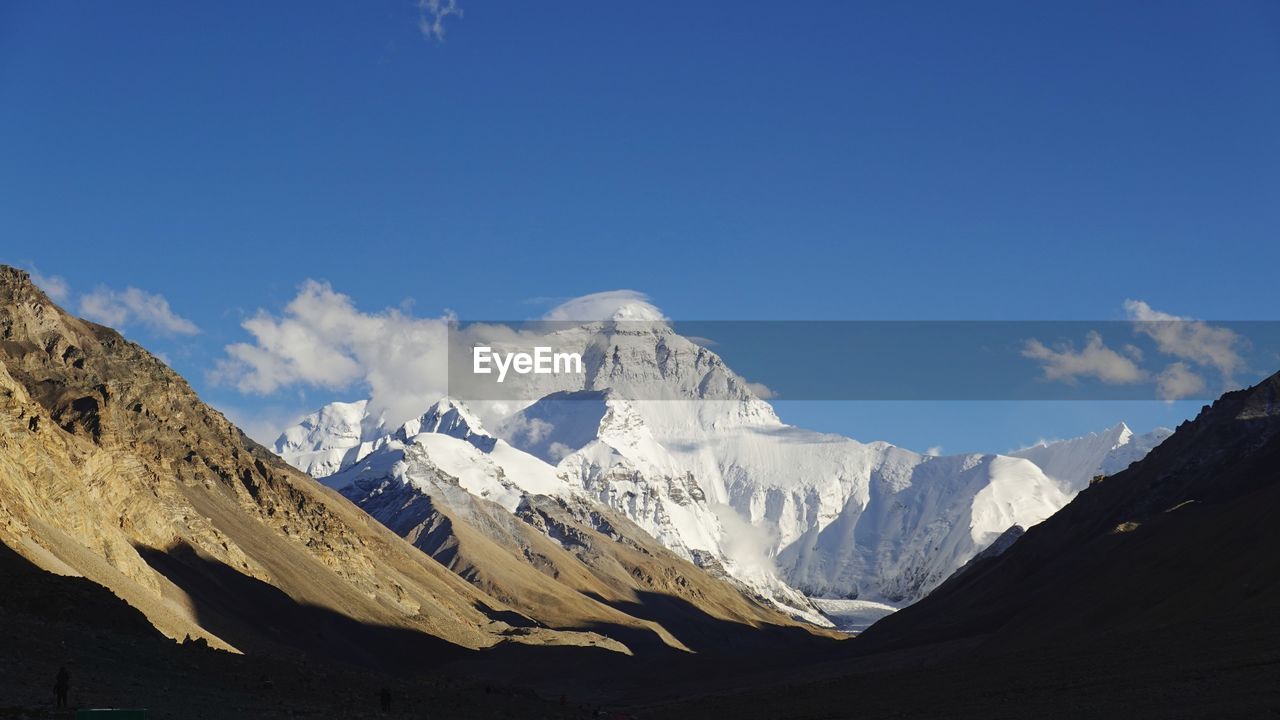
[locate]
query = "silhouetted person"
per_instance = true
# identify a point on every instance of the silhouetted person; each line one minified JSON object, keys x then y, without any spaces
{"x":61,"y":685}
{"x":385,"y":697}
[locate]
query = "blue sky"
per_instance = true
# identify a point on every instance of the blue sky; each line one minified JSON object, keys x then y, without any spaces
{"x":733,"y":161}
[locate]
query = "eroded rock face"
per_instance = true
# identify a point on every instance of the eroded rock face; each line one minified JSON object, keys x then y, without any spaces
{"x":111,"y":467}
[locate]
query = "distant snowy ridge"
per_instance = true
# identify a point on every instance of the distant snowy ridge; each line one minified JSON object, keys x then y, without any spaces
{"x":1073,"y":463}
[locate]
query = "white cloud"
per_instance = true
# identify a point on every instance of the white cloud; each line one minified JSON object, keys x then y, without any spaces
{"x":608,"y":305}
{"x":1094,"y":360}
{"x":762,"y":391}
{"x":559,"y":451}
{"x":935,"y":451}
{"x":1178,"y":381}
{"x":132,"y":306}
{"x":55,"y":286}
{"x":1189,"y":339}
{"x":322,"y":340}
{"x":263,"y":424}
{"x":433,"y":13}
{"x":522,"y":430}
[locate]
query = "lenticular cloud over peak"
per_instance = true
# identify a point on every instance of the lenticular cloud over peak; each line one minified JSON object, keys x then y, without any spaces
{"x":610,"y":305}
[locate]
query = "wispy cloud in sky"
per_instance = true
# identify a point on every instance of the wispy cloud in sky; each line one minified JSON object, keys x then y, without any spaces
{"x":432,"y":15}
{"x":1178,"y":381}
{"x":1188,"y":339}
{"x":131,"y":306}
{"x":322,"y":340}
{"x":1191,"y":343}
{"x":1095,"y":360}
{"x":55,"y":286}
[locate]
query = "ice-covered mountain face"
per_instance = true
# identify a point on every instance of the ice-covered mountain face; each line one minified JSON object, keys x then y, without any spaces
{"x":660,"y":429}
{"x":1073,"y":463}
{"x":828,"y":514}
{"x":905,"y":522}
{"x":320,"y":442}
{"x":833,"y":517}
{"x":603,"y":446}
{"x":654,"y":368}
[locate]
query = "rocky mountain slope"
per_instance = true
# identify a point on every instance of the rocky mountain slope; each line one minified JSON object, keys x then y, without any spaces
{"x":1151,"y":595}
{"x":112,"y":468}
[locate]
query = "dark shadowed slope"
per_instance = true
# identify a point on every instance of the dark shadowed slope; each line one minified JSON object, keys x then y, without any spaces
{"x":1185,"y":536}
{"x":117,"y":659}
{"x":1155,"y":593}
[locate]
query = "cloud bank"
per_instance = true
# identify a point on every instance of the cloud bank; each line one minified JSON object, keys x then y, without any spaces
{"x":401,"y":362}
{"x":55,"y":286}
{"x":1188,"y":339}
{"x":131,"y":306}
{"x":1095,"y":360}
{"x":1178,"y":381}
{"x":322,"y":340}
{"x":1191,"y":342}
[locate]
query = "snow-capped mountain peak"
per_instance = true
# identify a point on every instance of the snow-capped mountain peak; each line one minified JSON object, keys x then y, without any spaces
{"x":336,"y":425}
{"x":323,"y":442}
{"x":449,"y":417}
{"x":660,"y":429}
{"x":1073,"y":463}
